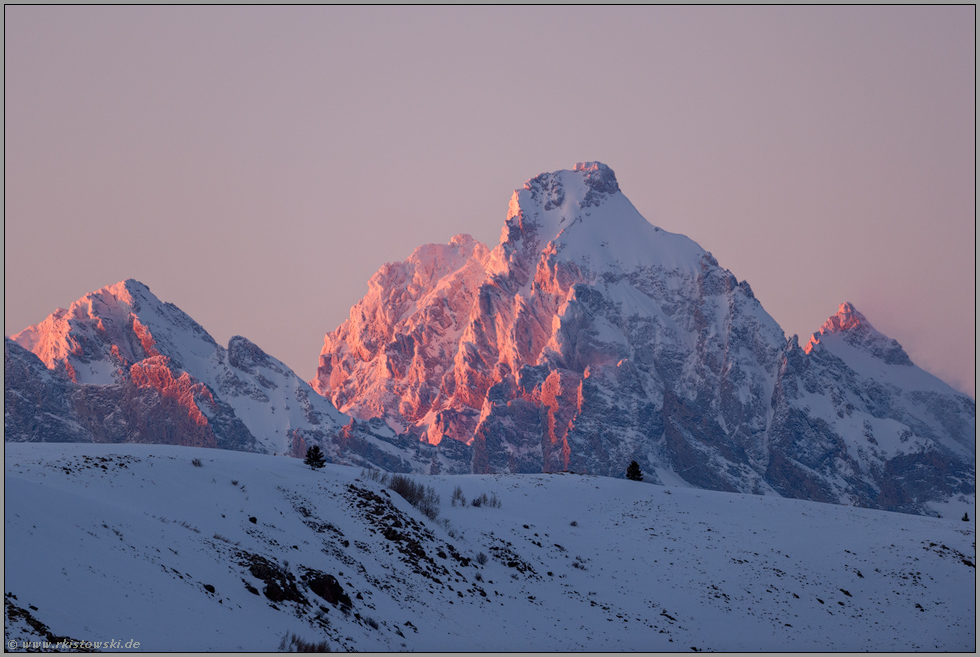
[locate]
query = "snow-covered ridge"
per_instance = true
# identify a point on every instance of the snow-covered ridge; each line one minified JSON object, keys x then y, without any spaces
{"x":243,"y":548}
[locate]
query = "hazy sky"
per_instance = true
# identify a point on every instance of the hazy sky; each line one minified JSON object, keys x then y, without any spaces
{"x":256,"y":165}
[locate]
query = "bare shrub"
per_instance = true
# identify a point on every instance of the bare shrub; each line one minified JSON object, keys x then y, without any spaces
{"x":293,"y":643}
{"x":379,"y":476}
{"x":574,"y":523}
{"x":484,"y":500}
{"x":423,"y":498}
{"x":197,"y":463}
{"x":370,"y":621}
{"x":187,"y":525}
{"x":458,"y":497}
{"x":481,"y":558}
{"x":234,"y":482}
{"x":449,"y":528}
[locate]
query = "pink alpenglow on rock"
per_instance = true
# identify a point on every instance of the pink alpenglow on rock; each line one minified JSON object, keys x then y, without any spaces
{"x":589,"y":338}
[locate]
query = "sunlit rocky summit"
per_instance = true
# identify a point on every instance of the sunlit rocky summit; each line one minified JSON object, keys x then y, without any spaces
{"x":585,"y":339}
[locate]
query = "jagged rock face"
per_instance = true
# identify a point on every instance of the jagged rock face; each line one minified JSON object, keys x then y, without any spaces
{"x":555,"y":349}
{"x":588,"y":338}
{"x":390,"y":358}
{"x":121,"y":366}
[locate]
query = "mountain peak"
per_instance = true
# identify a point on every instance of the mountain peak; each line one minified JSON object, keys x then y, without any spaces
{"x":582,"y":217}
{"x":125,"y":291}
{"x":847,"y":318}
{"x":853,"y":328}
{"x":847,"y":322}
{"x":587,"y":184}
{"x":599,"y":177}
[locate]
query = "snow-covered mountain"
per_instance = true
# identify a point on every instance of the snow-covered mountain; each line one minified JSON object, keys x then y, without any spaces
{"x":588,"y":338}
{"x":119,"y":365}
{"x":184,"y":549}
{"x":585,"y":339}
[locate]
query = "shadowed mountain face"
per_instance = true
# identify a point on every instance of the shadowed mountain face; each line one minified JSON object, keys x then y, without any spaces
{"x":588,"y":338}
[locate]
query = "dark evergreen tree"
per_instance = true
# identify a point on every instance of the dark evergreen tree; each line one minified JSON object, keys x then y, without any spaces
{"x":966,"y":517}
{"x":633,"y":471}
{"x":314,"y":458}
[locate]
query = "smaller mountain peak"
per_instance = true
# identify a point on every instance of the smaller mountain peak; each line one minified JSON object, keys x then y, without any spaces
{"x":125,"y":291}
{"x":846,"y":318}
{"x":245,"y":354}
{"x":133,"y":285}
{"x":855,"y":330}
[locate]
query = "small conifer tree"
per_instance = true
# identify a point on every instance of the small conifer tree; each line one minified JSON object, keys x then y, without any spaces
{"x":966,"y":517}
{"x":314,"y":458}
{"x":633,"y":472}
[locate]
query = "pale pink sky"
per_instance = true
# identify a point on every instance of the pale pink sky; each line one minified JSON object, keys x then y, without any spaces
{"x":255,"y":165}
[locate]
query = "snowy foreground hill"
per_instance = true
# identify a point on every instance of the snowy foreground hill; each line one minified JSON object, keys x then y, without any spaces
{"x":138,"y":543}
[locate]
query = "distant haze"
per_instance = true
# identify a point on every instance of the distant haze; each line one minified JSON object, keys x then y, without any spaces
{"x":256,"y":165}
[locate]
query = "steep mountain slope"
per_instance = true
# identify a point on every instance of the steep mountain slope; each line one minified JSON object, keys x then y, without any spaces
{"x":121,"y":366}
{"x":246,"y":547}
{"x":588,"y":338}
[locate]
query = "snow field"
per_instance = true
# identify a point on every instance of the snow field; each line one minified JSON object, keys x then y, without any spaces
{"x":119,"y":541}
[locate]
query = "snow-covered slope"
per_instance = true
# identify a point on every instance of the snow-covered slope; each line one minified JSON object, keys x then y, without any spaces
{"x":136,"y":543}
{"x":588,"y":338}
{"x":122,"y":366}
